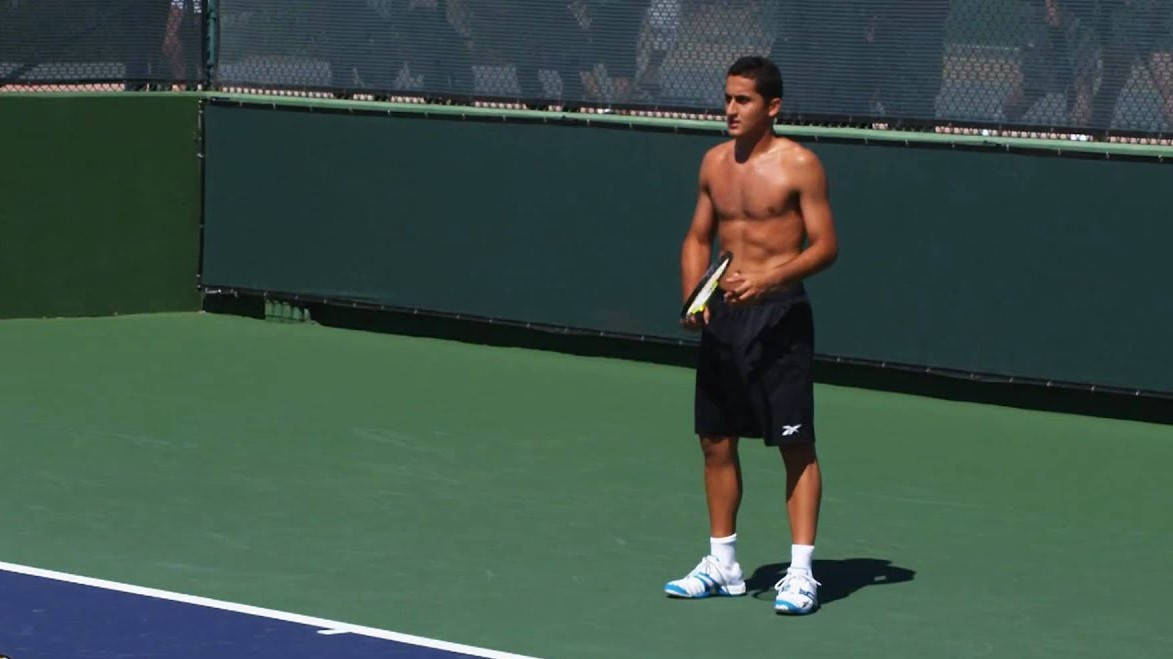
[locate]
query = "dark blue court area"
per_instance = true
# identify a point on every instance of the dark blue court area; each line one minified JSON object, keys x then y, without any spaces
{"x":44,"y":618}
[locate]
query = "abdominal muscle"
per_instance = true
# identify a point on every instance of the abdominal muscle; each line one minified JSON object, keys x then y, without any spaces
{"x":760,"y":245}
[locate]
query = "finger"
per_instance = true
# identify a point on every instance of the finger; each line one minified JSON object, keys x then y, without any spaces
{"x":744,"y":294}
{"x":705,"y":316}
{"x":737,"y":292}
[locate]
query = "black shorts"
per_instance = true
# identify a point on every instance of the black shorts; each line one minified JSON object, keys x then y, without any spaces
{"x":753,"y":378}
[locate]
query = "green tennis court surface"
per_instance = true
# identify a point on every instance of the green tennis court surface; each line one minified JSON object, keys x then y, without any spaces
{"x":535,"y":502}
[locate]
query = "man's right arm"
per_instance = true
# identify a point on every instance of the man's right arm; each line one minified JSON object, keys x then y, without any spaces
{"x":698,"y":242}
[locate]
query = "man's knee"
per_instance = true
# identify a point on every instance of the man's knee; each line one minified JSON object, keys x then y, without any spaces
{"x":719,"y":450}
{"x":798,"y":454}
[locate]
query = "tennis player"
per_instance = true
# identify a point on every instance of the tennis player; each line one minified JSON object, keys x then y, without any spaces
{"x":764,"y":199}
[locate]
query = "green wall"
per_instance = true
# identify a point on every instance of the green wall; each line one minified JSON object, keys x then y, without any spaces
{"x":99,"y":204}
{"x":556,"y":225}
{"x":1021,"y":265}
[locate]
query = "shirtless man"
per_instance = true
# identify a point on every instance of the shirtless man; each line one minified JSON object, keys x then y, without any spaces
{"x":763,"y":197}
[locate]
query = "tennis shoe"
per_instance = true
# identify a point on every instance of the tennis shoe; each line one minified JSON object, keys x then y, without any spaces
{"x":797,"y":593}
{"x":709,"y":578}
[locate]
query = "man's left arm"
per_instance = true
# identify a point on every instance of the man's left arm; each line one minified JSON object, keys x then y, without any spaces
{"x":821,"y":249}
{"x":822,"y":244}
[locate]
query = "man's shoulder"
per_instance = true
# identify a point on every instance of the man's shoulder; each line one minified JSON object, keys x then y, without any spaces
{"x":796,"y":154}
{"x":717,"y":152}
{"x":798,"y":158}
{"x":712,"y":159}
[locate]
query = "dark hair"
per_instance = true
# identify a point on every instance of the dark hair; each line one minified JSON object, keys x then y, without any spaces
{"x":765,"y":74}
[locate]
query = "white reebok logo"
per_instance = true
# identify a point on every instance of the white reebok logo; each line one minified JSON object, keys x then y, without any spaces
{"x":790,"y":430}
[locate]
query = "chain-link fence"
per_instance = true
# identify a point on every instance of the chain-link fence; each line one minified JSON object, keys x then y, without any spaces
{"x":1093,"y":65}
{"x":100,"y":44}
{"x":1053,"y":63}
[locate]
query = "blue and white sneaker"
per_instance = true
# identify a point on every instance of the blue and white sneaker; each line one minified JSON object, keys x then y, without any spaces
{"x":798,"y":593}
{"x":709,"y":578}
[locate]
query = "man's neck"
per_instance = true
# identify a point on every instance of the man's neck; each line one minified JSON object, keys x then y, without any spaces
{"x":750,"y":145}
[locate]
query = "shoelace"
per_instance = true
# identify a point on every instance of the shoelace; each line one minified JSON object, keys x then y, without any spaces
{"x":708,"y":565}
{"x":793,"y":583}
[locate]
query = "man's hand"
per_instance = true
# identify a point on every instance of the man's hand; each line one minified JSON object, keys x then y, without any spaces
{"x":696,"y":322}
{"x":746,"y":289}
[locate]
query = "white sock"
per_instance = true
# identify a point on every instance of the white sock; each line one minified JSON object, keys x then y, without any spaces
{"x":800,"y":557}
{"x":725,"y":549}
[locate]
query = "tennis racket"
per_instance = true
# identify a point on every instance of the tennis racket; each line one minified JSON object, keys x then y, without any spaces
{"x":704,"y":290}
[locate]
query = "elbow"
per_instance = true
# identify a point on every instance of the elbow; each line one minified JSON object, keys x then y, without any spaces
{"x":697,"y":242}
{"x":830,"y":254}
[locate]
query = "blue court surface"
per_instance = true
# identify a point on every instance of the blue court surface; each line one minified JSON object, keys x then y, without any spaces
{"x":51,"y":615}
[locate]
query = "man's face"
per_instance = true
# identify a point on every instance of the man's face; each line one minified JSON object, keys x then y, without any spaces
{"x":745,"y":109}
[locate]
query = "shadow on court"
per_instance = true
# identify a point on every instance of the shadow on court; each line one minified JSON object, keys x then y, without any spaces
{"x":839,"y":578}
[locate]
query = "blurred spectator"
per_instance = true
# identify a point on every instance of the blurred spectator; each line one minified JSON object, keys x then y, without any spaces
{"x":1082,"y":40}
{"x":356,"y":39}
{"x":827,"y":54}
{"x":432,"y":48}
{"x":1131,"y":33}
{"x":614,"y":27}
{"x":1161,"y":60}
{"x":1056,"y":58}
{"x":559,"y":43}
{"x":663,"y":23}
{"x":908,"y":56}
{"x":182,"y":42}
{"x":139,"y":37}
{"x":542,"y":36}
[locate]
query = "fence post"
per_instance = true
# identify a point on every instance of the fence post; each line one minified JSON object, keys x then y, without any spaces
{"x":211,"y":41}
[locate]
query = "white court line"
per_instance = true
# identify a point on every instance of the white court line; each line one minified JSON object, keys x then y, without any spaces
{"x":325,"y":626}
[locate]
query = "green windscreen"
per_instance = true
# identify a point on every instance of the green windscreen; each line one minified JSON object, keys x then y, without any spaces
{"x":99,"y":204}
{"x":1021,"y":265}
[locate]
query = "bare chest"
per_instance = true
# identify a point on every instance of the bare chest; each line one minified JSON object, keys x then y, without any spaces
{"x":749,"y":193}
